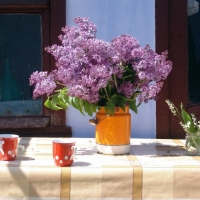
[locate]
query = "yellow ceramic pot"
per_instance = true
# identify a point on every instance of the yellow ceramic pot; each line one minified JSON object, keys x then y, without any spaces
{"x":113,"y":132}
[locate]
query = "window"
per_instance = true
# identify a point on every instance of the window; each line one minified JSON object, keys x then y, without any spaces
{"x":26,"y":27}
{"x":21,"y":55}
{"x":194,"y":54}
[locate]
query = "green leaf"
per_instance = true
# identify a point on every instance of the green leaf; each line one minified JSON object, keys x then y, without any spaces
{"x":132,"y":105}
{"x":73,"y":102}
{"x":55,"y":101}
{"x":50,"y":104}
{"x":128,"y":78}
{"x":76,"y":103}
{"x":62,"y":101}
{"x":79,"y":104}
{"x":186,"y":117}
{"x":64,"y":90}
{"x":88,"y":108}
{"x":95,"y":108}
{"x":70,"y":100}
{"x":110,"y":107}
{"x":47,"y":103}
{"x":121,"y":102}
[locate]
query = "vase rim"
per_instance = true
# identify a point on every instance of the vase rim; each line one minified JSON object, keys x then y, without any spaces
{"x":117,"y":109}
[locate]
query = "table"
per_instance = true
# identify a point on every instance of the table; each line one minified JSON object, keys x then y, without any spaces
{"x":154,"y":169}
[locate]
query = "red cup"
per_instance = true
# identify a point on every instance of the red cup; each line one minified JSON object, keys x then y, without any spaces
{"x":8,"y":146}
{"x":63,"y":152}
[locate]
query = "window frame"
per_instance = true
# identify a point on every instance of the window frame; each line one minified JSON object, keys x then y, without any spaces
{"x":171,"y":35}
{"x":53,"y":19}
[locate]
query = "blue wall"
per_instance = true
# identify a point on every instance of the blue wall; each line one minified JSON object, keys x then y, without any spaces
{"x":115,"y":17}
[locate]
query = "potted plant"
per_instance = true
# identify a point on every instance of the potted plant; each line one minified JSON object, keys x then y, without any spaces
{"x":190,"y":125}
{"x":95,"y":75}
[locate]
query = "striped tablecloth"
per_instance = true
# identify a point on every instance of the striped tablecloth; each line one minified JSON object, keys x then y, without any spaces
{"x":155,"y":169}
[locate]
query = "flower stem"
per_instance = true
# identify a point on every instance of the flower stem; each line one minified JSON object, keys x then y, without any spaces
{"x":106,"y":93}
{"x":197,"y":147}
{"x":60,"y":83}
{"x":115,"y":82}
{"x":178,"y":114}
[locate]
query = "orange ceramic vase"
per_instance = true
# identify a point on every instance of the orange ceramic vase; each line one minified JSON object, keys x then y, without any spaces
{"x":113,"y":132}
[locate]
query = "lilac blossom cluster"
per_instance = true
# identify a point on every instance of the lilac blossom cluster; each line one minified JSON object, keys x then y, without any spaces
{"x":87,"y":65}
{"x":149,"y":67}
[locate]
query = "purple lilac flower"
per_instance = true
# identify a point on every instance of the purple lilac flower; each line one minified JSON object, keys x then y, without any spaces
{"x":82,"y":60}
{"x":150,"y":68}
{"x":86,"y":64}
{"x":37,"y":77}
{"x":85,"y":94}
{"x":44,"y":83}
{"x":123,"y":45}
{"x":149,"y":91}
{"x":127,"y":89}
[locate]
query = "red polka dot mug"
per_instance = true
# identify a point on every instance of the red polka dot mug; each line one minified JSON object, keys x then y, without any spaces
{"x":64,"y":151}
{"x":8,"y":146}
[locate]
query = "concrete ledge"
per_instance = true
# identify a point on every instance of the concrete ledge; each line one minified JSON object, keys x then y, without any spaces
{"x":24,"y":122}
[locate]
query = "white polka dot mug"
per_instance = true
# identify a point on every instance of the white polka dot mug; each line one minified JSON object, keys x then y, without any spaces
{"x":8,"y":146}
{"x":64,"y":151}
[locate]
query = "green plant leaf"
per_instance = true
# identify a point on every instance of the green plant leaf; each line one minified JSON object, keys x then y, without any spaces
{"x":70,"y":100}
{"x":62,"y":101}
{"x":73,"y":102}
{"x":47,"y":103}
{"x":51,"y":104}
{"x":186,"y":117}
{"x":128,"y":78}
{"x":77,"y":103}
{"x":121,"y":102}
{"x":110,"y":107}
{"x":132,"y":105}
{"x":55,"y":101}
{"x":95,"y":108}
{"x":88,"y":108}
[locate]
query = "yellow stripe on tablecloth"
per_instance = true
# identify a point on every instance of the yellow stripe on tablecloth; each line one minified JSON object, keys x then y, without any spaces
{"x":178,"y":142}
{"x":137,"y":178}
{"x":137,"y":182}
{"x":196,"y":158}
{"x":181,"y":144}
{"x":65,"y":183}
{"x":132,"y":157}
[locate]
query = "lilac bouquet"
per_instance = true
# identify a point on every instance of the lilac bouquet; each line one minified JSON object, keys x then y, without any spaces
{"x":93,"y":73}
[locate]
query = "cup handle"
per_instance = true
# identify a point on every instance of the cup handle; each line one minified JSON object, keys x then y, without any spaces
{"x":74,"y":148}
{"x":1,"y":144}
